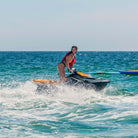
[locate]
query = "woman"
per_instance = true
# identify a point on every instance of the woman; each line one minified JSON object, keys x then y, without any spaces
{"x":68,"y":61}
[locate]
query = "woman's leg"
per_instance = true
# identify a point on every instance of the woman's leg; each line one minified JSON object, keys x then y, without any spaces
{"x":61,"y":71}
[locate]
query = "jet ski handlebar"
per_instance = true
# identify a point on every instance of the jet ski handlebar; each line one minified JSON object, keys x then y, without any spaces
{"x":74,"y":70}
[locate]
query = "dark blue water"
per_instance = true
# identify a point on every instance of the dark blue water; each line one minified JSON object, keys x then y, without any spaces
{"x":67,"y":112}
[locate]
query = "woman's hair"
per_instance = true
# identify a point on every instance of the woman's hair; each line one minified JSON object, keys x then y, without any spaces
{"x":74,"y":47}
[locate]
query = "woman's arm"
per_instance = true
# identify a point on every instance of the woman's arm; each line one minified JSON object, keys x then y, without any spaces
{"x":68,"y":58}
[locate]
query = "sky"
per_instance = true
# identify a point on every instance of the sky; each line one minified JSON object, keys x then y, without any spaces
{"x":56,"y":25}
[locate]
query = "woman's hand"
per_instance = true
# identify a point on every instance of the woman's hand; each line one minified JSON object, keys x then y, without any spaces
{"x":69,"y":70}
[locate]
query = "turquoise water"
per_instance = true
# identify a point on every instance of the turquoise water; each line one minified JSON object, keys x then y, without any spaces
{"x":68,"y":112}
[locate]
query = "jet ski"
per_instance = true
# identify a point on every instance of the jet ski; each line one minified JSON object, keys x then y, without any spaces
{"x":83,"y":80}
{"x":76,"y":79}
{"x":129,"y":72}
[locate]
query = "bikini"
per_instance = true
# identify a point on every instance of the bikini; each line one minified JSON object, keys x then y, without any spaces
{"x":63,"y":63}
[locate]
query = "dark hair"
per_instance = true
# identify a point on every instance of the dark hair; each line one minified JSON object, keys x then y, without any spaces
{"x":74,"y":47}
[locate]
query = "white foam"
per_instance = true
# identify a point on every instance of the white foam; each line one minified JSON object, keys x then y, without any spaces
{"x":23,"y":98}
{"x":26,"y":92}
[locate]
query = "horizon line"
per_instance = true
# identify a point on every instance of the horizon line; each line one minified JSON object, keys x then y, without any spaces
{"x":67,"y":50}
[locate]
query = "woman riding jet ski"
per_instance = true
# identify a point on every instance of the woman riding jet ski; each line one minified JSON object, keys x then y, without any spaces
{"x":75,"y":79}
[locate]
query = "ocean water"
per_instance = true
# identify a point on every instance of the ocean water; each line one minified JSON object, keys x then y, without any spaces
{"x":67,"y":112}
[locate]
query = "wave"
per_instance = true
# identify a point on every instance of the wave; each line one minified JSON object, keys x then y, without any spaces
{"x":27,"y":92}
{"x":76,"y":109}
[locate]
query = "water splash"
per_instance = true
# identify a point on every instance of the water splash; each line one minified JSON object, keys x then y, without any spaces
{"x":68,"y":110}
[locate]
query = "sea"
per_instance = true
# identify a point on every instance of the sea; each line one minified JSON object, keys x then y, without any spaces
{"x":67,"y":112}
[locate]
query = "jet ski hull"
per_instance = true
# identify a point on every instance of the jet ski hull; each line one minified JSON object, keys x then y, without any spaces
{"x":74,"y":80}
{"x":86,"y":82}
{"x":130,"y":72}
